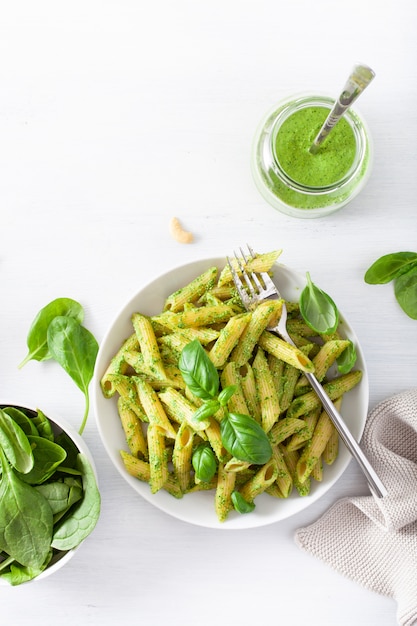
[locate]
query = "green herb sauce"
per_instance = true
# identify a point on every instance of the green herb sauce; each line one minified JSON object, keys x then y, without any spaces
{"x":334,"y":158}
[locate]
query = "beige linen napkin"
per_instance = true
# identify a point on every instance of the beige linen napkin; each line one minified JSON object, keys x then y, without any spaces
{"x":370,"y":540}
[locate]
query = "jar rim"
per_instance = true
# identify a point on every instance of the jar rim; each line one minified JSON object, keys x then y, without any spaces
{"x":356,"y":125}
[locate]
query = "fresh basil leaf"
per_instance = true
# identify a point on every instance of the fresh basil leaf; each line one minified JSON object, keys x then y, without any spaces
{"x":37,"y":338}
{"x":318,"y":309}
{"x":390,"y":266}
{"x":83,"y":517}
{"x":226,"y":394}
{"x":405,"y":289}
{"x":245,"y":439}
{"x":347,"y":359}
{"x":240,"y":504}
{"x":198,"y":371}
{"x":204,"y":463}
{"x":75,"y":349}
{"x":47,"y":455}
{"x":26,"y":520}
{"x":209,"y":408}
{"x":15,"y":444}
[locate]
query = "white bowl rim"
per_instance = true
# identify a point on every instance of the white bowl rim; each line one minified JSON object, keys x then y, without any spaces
{"x":164,"y":501}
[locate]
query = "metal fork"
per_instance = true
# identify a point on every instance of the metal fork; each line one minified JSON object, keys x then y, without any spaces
{"x":256,"y":287}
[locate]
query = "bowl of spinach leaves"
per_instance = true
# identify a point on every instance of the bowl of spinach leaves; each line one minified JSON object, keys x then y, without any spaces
{"x":49,"y":498}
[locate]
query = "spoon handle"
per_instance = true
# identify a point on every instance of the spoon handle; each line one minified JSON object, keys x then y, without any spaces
{"x":359,"y":79}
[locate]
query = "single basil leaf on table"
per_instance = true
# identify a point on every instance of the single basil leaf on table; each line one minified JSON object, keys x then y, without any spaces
{"x":204,"y":463}
{"x":318,"y":309}
{"x":26,"y":520}
{"x":15,"y":444}
{"x":83,"y":517}
{"x":390,"y":266}
{"x":75,"y":349}
{"x":405,"y":289}
{"x":245,"y":439}
{"x":37,"y":341}
{"x":198,"y":371}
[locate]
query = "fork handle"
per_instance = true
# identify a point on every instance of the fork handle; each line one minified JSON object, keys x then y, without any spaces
{"x":374,"y":481}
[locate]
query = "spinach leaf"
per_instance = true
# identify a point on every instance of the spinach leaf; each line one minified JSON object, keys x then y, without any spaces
{"x":26,"y":520}
{"x":198,"y":371}
{"x":318,"y":309}
{"x":15,"y":444}
{"x":75,"y":349}
{"x":19,"y":574}
{"x":389,"y":266}
{"x":25,"y":422}
{"x":405,"y":289}
{"x":37,"y":338}
{"x":43,"y":425}
{"x":240,"y":504}
{"x":83,"y":517}
{"x":60,"y":496}
{"x":204,"y":463}
{"x":245,"y":439}
{"x":47,"y":457}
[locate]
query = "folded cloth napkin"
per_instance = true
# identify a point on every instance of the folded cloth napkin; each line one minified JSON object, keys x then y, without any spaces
{"x":371,"y":540}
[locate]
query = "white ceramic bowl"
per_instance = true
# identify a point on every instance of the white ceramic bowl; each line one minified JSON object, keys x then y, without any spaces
{"x":198,"y":508}
{"x":58,"y":425}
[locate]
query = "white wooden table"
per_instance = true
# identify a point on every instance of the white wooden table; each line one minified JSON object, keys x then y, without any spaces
{"x":116,"y":116}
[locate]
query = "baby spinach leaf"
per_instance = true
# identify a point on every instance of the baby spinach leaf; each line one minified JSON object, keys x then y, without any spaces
{"x":15,"y":444}
{"x":47,"y":456}
{"x":389,"y":266}
{"x":204,"y":462}
{"x":198,"y":371}
{"x":75,"y":349}
{"x":19,"y":574}
{"x":405,"y":289}
{"x":43,"y":425}
{"x":60,"y":495}
{"x":26,"y":423}
{"x":37,"y":338}
{"x":245,"y":439}
{"x":240,"y":504}
{"x":83,"y":517}
{"x":26,"y":520}
{"x":318,"y":309}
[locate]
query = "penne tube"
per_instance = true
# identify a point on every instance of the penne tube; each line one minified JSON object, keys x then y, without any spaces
{"x":223,"y":496}
{"x":192,"y":291}
{"x":284,"y":481}
{"x":228,"y":338}
{"x":264,"y":477}
{"x":285,"y":351}
{"x":153,"y":408}
{"x":142,"y":471}
{"x":299,"y":439}
{"x":284,"y":428}
{"x":250,"y":392}
{"x":260,"y":319}
{"x":158,"y":461}
{"x":181,"y":410}
{"x":181,"y":456}
{"x":117,"y":366}
{"x":230,"y":376}
{"x":266,"y":391}
{"x":132,"y":427}
{"x":148,"y":345}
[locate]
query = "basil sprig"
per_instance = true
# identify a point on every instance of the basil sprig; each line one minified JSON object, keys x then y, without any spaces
{"x":401,"y":268}
{"x":57,"y":333}
{"x":241,"y":435}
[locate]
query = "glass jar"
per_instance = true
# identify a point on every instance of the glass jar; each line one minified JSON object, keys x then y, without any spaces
{"x":302,"y":184}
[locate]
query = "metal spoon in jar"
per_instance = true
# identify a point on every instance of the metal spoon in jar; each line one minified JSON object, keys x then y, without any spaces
{"x":359,"y":79}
